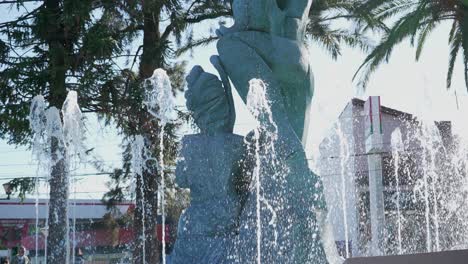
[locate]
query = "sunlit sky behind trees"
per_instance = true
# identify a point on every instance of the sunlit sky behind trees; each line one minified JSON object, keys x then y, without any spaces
{"x":417,"y":88}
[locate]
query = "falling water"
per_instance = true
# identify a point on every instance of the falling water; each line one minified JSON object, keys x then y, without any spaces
{"x":37,"y":122}
{"x":74,"y":221}
{"x":455,"y":200}
{"x":397,"y":146}
{"x":425,"y":187}
{"x":47,"y":124}
{"x":440,"y":185}
{"x":163,"y":189}
{"x":429,"y":163}
{"x":255,"y":103}
{"x":55,"y":132}
{"x":256,"y":178}
{"x":344,"y":154}
{"x":160,"y":104}
{"x":328,"y":230}
{"x":433,"y":143}
{"x":73,"y":133}
{"x":266,"y":132}
{"x":138,"y":164}
{"x":73,"y":127}
{"x":46,"y":225}
{"x":36,"y":224}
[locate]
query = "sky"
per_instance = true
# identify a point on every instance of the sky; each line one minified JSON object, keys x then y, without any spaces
{"x":413,"y":87}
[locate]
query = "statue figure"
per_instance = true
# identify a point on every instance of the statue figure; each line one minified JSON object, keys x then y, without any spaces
{"x":266,"y":43}
{"x":208,"y":165}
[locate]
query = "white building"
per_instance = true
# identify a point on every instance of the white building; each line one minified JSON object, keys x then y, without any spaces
{"x":359,"y":176}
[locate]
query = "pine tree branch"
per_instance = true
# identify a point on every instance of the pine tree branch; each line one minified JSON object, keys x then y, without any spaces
{"x":17,"y":2}
{"x":196,"y":43}
{"x":200,"y":18}
{"x":169,"y":28}
{"x":21,"y":18}
{"x":131,"y":28}
{"x":12,"y":23}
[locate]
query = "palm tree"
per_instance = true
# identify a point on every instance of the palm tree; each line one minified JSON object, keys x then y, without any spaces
{"x":415,"y":20}
{"x":334,"y":23}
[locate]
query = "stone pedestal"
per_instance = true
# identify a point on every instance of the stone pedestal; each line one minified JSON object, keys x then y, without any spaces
{"x":206,"y":166}
{"x":447,"y":257}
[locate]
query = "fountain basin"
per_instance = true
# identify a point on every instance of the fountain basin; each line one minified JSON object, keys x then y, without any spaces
{"x":446,"y":257}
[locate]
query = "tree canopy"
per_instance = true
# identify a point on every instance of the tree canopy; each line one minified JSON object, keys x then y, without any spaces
{"x":415,"y":20}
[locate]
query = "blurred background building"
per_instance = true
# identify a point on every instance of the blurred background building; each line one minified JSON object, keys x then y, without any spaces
{"x":384,"y":198}
{"x":104,"y":236}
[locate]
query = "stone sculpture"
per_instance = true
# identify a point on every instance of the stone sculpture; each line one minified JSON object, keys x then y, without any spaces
{"x":221,"y":224}
{"x":208,"y":166}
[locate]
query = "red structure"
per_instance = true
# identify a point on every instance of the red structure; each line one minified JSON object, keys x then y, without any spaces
{"x":18,"y":225}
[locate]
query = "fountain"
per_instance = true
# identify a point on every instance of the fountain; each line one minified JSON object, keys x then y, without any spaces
{"x":139,"y":158}
{"x":397,"y":147}
{"x":251,"y":204}
{"x":344,"y":154}
{"x":420,"y":183}
{"x":264,"y":137}
{"x":37,"y":122}
{"x":254,"y":198}
{"x":73,"y":133}
{"x":49,"y":128}
{"x":159,"y":102}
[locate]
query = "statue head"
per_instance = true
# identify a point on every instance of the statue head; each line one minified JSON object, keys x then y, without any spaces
{"x":285,"y":18}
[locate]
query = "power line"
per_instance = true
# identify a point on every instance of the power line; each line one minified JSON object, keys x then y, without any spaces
{"x":30,"y":151}
{"x":78,"y":192}
{"x":36,"y":164}
{"x":43,"y":178}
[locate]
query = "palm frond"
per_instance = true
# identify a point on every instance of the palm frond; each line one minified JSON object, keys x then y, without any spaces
{"x":426,"y":31}
{"x":455,"y":44}
{"x":326,"y":38}
{"x":464,"y":43}
{"x":325,"y":13}
{"x":405,"y":27}
{"x":390,"y":9}
{"x":453,"y":30}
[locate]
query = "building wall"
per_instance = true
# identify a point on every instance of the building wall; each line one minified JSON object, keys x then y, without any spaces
{"x":336,"y":159}
{"x":352,"y":160}
{"x":81,"y":209}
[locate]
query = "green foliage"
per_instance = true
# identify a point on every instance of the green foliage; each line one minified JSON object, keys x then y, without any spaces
{"x":95,"y":45}
{"x":92,"y":36}
{"x":334,"y":23}
{"x":164,"y":27}
{"x":415,"y":20}
{"x":22,"y":186}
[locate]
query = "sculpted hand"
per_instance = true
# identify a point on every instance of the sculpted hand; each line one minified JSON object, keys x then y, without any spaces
{"x":283,"y":18}
{"x":210,"y":101}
